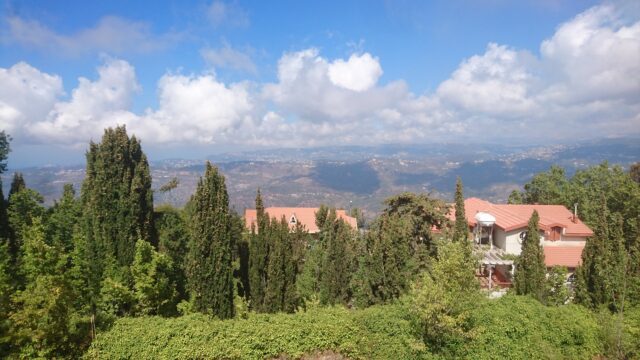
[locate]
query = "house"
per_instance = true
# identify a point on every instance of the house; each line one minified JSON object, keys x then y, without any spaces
{"x":296,"y":215}
{"x":500,"y":228}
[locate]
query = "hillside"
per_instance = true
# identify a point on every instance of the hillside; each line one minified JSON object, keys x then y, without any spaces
{"x":360,"y":176}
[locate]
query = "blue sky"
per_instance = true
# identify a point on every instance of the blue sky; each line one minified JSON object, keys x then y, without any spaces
{"x":193,"y":78}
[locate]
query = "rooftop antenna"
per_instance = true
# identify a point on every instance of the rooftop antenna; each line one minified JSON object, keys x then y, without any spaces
{"x":575,"y":212}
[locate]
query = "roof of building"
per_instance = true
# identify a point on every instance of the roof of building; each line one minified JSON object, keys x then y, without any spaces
{"x":303,"y":215}
{"x":511,"y":217}
{"x":569,"y":256}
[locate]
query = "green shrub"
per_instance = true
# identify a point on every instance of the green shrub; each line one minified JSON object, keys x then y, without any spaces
{"x":519,"y":327}
{"x":383,"y":332}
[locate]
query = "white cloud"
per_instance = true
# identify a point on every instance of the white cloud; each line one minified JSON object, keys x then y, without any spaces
{"x":359,"y":73}
{"x":584,"y":83}
{"x":227,"y":13}
{"x":228,"y":57}
{"x":93,"y":106}
{"x":496,"y":82}
{"x":26,"y":94}
{"x":112,"y":34}
{"x":196,"y":108}
{"x":305,"y":89}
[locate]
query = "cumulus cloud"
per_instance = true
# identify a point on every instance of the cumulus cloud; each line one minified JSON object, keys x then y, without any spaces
{"x":26,"y":94}
{"x":359,"y":73}
{"x":111,"y":34}
{"x":93,"y":106}
{"x":196,"y":108}
{"x":228,"y":57}
{"x":585,"y":82}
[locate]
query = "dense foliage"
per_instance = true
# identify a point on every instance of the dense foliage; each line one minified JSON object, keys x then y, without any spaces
{"x":209,"y":259}
{"x":531,"y":270}
{"x":137,"y":282}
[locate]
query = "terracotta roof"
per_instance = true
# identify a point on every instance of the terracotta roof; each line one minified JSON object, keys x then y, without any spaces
{"x":569,"y":256}
{"x":511,"y":217}
{"x":305,"y":216}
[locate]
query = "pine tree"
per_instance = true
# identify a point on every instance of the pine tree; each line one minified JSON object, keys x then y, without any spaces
{"x":461,"y":227}
{"x":210,"y":258}
{"x":117,"y":205}
{"x":258,"y":256}
{"x":530,"y":267}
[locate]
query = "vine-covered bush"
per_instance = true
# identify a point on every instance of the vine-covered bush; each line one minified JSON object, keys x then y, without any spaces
{"x":383,"y":332}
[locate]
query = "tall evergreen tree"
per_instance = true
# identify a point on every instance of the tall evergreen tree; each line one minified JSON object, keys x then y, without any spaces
{"x":6,"y":290}
{"x":210,"y":258}
{"x":63,"y":219}
{"x":17,"y":184}
{"x":280,"y":258}
{"x":337,"y":261}
{"x":461,"y":227}
{"x":173,"y":241}
{"x":601,"y":276}
{"x":24,"y":207}
{"x":385,"y":266}
{"x":258,"y":255}
{"x":423,"y":213}
{"x":530,"y":267}
{"x":117,"y":204}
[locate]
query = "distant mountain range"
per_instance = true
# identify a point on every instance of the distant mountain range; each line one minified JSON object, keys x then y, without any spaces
{"x":360,"y":176}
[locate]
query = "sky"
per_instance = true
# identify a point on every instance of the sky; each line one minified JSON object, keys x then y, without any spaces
{"x":192,"y":78}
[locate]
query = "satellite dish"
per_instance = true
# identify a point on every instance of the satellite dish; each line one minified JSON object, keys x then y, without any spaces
{"x":485,"y":219}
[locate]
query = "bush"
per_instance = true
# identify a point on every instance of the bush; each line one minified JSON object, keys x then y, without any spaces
{"x":519,"y":327}
{"x":383,"y":332}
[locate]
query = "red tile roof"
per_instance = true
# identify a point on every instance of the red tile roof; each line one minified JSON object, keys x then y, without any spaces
{"x":511,"y":217}
{"x":305,"y":216}
{"x":569,"y":256}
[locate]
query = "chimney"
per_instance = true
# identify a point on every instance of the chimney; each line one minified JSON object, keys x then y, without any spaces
{"x":575,"y":212}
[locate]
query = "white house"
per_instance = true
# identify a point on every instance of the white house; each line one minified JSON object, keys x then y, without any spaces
{"x":501,"y":228}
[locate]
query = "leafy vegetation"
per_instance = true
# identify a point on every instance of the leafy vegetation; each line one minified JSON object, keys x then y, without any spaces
{"x":109,"y":273}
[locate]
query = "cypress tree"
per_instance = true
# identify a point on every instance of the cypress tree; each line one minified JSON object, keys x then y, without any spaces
{"x":461,"y":227}
{"x":4,"y":220}
{"x":258,"y":256}
{"x":173,"y":240}
{"x":601,"y":276}
{"x":279,"y":256}
{"x":117,"y":204}
{"x":17,"y":184}
{"x":210,"y":258}
{"x":336,"y":269}
{"x":530,"y":267}
{"x":63,"y":218}
{"x":385,"y":264}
